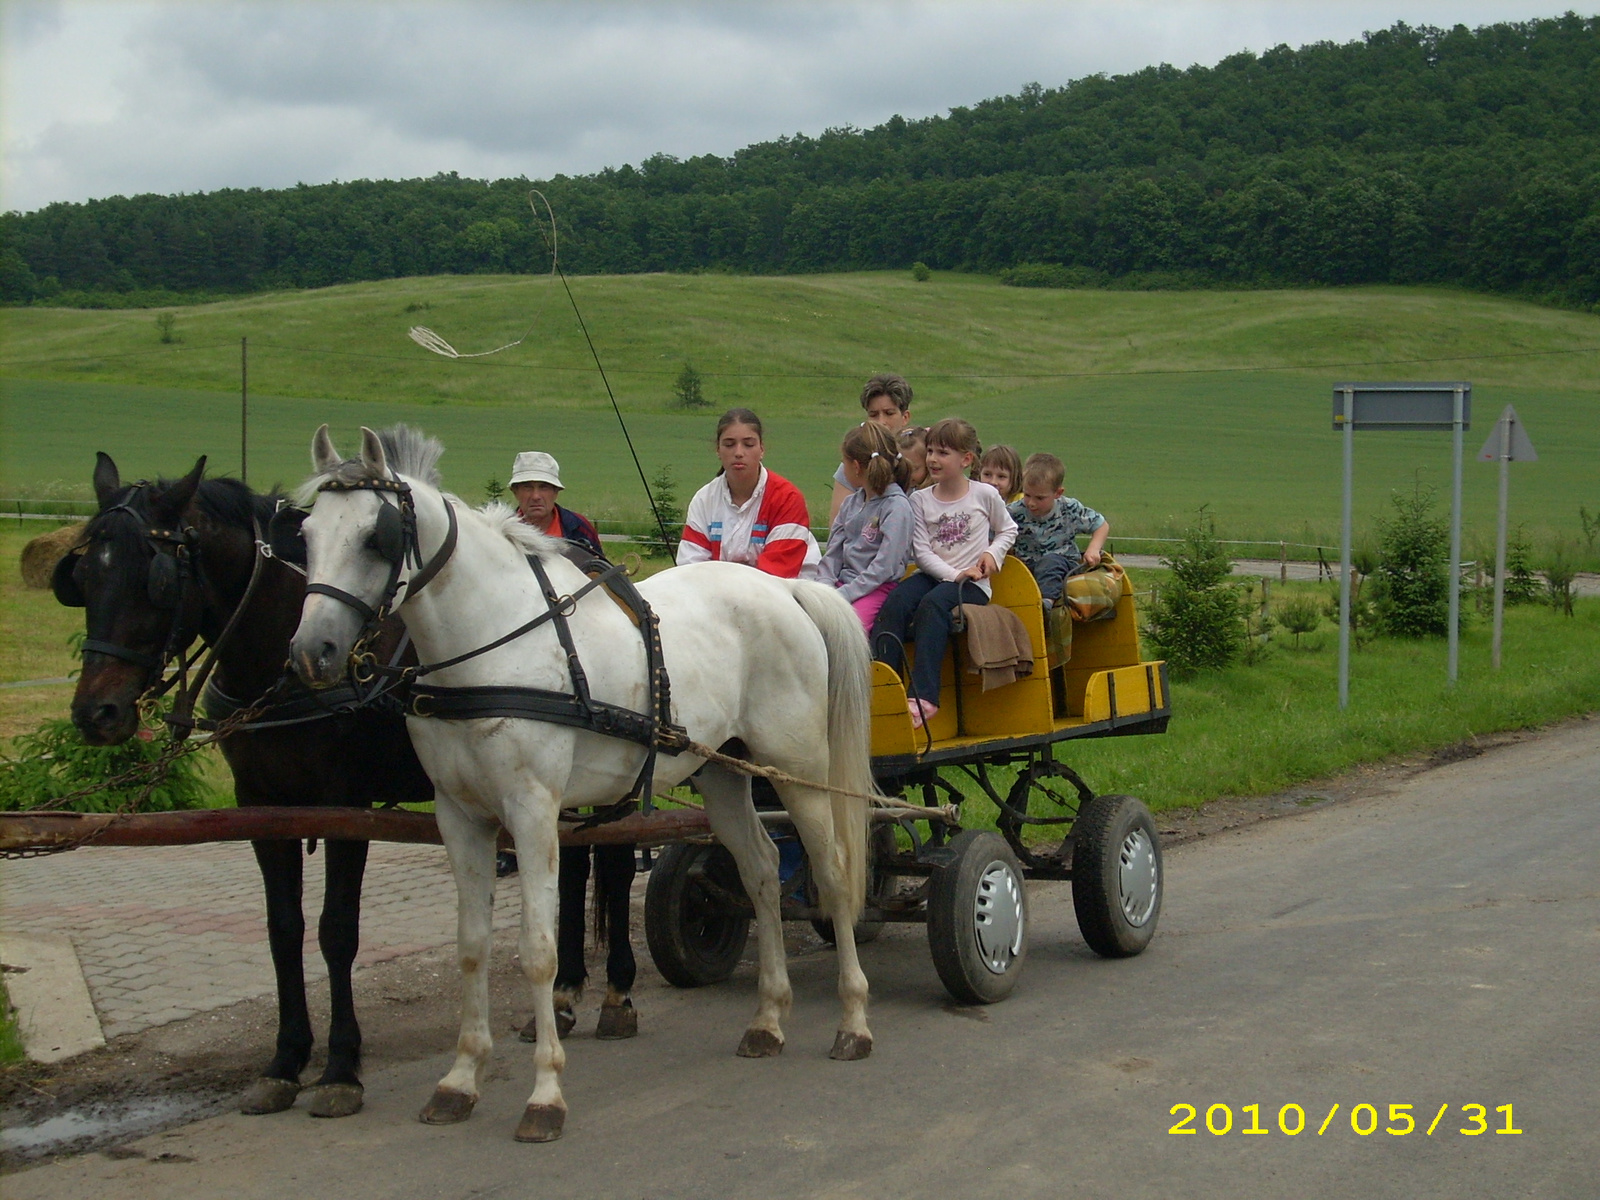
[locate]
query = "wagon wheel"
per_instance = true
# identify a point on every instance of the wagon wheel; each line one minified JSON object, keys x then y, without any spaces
{"x":978,"y":919}
{"x":880,"y":845}
{"x":1117,"y":877}
{"x":693,"y":937}
{"x":1046,"y":792}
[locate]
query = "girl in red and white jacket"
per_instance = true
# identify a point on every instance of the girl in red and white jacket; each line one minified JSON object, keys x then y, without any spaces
{"x":748,"y":514}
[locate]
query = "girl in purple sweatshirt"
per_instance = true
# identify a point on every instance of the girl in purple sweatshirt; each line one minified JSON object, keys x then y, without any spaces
{"x":870,"y":542}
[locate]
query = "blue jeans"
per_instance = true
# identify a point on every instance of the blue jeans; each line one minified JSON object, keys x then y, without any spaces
{"x":921,"y":608}
{"x":1051,"y":573}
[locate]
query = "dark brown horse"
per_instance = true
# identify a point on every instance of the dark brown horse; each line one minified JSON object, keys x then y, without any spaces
{"x":163,"y":563}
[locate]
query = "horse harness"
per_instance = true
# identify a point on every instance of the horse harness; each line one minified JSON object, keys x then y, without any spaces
{"x":394,"y":538}
{"x":170,"y":577}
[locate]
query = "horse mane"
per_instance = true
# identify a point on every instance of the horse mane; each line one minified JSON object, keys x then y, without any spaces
{"x":408,"y":451}
{"x":224,"y":500}
{"x":231,"y":502}
{"x":499,"y":515}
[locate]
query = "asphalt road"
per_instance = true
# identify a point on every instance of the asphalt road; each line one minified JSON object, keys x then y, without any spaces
{"x":1435,"y":945}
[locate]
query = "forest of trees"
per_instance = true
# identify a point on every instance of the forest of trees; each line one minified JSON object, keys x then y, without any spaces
{"x":1415,"y":155}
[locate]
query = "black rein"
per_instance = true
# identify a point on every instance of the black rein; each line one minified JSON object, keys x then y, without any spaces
{"x":654,"y":730}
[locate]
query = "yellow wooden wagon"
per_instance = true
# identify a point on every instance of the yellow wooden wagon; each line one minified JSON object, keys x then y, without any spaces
{"x":967,"y":884}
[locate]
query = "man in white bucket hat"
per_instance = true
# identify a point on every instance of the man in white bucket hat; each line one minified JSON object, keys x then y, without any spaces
{"x":536,"y":483}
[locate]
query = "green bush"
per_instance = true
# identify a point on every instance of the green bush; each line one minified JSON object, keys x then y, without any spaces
{"x":54,"y":761}
{"x":689,"y":389}
{"x":1258,"y":619}
{"x":1299,"y":614}
{"x":1559,"y":573}
{"x":1051,"y":275}
{"x":920,"y":272}
{"x":1411,"y":589}
{"x":664,"y":498}
{"x":1194,"y":623}
{"x":1522,"y":585}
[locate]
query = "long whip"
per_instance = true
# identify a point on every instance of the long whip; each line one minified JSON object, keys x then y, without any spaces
{"x":429,"y":340}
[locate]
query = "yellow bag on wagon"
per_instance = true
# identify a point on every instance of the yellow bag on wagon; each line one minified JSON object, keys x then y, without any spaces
{"x":1093,"y":595}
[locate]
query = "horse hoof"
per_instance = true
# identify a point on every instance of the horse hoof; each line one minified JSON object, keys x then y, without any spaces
{"x":849,"y":1047}
{"x":445,"y":1107}
{"x":617,"y":1021}
{"x":541,"y":1123}
{"x":335,"y":1100}
{"x":566,"y":1022}
{"x":760,"y":1043}
{"x":268,"y":1095}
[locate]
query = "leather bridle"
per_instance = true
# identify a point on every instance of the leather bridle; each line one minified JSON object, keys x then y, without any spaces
{"x":655,"y":730}
{"x":394,"y":538}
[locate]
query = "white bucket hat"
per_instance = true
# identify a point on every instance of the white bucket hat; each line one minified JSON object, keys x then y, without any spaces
{"x":535,"y":466}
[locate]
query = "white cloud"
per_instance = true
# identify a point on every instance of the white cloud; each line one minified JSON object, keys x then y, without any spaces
{"x":104,"y":98}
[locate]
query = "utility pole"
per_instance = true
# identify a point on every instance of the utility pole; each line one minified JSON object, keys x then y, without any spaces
{"x":244,"y":410}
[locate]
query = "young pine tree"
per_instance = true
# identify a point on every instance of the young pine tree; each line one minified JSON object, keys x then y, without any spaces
{"x":1195,"y":624}
{"x":1412,"y":584}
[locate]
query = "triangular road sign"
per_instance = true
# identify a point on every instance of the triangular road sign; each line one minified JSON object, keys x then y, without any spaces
{"x":1521,"y":448}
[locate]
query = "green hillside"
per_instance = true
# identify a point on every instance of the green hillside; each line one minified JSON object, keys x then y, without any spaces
{"x":1159,"y":401}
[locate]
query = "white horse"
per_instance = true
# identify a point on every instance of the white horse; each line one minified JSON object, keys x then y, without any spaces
{"x":778,"y":664}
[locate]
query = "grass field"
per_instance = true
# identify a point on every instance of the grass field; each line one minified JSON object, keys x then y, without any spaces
{"x":1160,"y":402}
{"x":1251,"y":730}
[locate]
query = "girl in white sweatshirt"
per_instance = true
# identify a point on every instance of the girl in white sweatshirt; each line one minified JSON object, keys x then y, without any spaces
{"x":960,"y":538}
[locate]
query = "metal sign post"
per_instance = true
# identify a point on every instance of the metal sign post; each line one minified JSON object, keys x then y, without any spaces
{"x":1400,"y":406}
{"x":1507,"y":444}
{"x":1458,"y":409}
{"x":1347,"y":415}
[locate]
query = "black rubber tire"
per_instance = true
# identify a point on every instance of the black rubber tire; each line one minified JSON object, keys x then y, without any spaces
{"x":1118,"y":903}
{"x":693,"y":940}
{"x":984,"y":869}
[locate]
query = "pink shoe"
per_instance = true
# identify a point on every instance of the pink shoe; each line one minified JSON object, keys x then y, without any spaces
{"x":921,"y":712}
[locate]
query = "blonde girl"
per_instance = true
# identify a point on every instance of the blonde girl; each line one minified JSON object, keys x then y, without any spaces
{"x":870,"y":542}
{"x":960,"y":537}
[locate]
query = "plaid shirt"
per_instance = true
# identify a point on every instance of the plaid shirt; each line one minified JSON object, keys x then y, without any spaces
{"x":1055,"y":533}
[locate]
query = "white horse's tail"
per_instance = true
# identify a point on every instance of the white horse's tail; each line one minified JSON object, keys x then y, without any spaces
{"x":849,"y":728}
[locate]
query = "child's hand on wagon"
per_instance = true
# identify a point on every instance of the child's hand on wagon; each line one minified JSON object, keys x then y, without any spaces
{"x":985,"y":567}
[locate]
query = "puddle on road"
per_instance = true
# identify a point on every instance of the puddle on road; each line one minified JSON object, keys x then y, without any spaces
{"x":97,"y":1126}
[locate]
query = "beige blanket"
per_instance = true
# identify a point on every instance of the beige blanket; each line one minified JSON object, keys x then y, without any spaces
{"x":998,"y":646}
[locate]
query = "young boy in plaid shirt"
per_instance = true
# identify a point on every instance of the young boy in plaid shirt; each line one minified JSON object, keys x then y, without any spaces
{"x":1048,"y":525}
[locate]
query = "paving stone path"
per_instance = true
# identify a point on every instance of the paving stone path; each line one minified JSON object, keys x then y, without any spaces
{"x":164,"y":933}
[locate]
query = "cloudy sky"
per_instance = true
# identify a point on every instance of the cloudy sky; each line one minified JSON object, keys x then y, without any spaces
{"x":121,"y":97}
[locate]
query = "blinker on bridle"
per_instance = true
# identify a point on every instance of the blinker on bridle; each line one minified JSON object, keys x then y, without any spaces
{"x":167,"y":578}
{"x":393,"y":539}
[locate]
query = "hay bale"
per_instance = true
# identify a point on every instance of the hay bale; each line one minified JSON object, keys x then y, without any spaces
{"x":40,"y":556}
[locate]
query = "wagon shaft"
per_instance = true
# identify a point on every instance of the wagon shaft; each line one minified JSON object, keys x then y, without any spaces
{"x":58,"y":830}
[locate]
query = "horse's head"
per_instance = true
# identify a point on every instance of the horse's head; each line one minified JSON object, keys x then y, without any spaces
{"x":357,"y":538}
{"x":132,"y":575}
